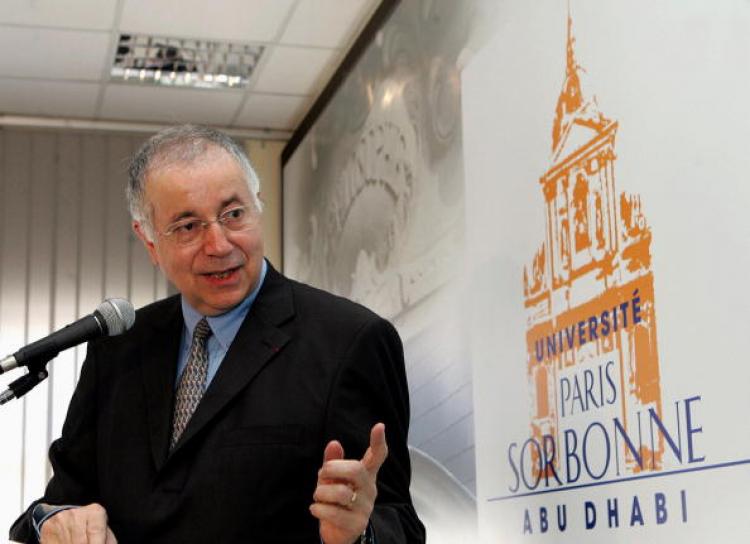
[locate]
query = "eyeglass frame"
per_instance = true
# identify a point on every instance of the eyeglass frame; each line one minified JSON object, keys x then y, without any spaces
{"x":221,"y":220}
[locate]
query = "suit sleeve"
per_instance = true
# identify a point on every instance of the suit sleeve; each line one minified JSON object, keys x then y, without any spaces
{"x":370,"y":388}
{"x":72,"y":456}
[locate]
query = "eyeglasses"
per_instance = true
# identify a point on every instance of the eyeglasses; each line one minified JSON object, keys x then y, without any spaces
{"x":188,"y":231}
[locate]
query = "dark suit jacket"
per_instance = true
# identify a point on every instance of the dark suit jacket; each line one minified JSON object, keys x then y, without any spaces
{"x":305,"y":367}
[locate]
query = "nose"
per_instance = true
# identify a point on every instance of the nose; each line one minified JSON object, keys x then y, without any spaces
{"x":215,"y":241}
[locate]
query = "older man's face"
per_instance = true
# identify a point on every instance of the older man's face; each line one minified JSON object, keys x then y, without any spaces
{"x":215,"y":272}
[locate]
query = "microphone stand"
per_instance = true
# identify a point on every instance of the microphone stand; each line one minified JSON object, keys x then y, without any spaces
{"x":37,"y":373}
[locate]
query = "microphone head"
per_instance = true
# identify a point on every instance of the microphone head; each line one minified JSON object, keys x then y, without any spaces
{"x":118,"y":315}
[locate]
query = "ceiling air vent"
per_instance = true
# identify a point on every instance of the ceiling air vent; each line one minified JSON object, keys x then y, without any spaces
{"x":182,"y":62}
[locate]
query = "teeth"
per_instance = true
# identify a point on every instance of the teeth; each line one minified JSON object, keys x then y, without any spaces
{"x":221,"y":275}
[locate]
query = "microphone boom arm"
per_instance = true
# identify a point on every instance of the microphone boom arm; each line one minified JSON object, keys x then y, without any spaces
{"x":37,"y":374}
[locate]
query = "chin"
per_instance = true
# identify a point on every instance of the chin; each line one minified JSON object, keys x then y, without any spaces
{"x":224,"y":304}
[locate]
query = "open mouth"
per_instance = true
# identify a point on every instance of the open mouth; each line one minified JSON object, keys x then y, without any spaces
{"x":224,"y":274}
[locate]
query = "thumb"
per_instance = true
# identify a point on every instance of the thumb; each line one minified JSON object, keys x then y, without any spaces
{"x":110,"y":537}
{"x":378,"y":450}
{"x":334,"y":450}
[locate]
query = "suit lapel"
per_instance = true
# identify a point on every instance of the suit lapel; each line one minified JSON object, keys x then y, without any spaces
{"x":159,"y":369}
{"x":257,"y":342}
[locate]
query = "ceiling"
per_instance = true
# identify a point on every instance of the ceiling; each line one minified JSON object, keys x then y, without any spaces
{"x":57,"y":57}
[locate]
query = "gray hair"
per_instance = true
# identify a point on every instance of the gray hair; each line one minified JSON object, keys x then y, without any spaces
{"x":180,"y":144}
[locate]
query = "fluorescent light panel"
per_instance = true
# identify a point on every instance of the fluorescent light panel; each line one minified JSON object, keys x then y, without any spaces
{"x":179,"y":62}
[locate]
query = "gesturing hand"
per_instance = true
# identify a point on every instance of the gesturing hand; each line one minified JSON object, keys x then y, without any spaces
{"x":84,"y":525}
{"x":346,"y":490}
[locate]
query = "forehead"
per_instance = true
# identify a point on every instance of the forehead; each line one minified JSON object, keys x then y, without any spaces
{"x":213,"y":170}
{"x":201,"y":185}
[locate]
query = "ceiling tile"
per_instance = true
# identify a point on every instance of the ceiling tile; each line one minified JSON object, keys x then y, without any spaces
{"x":53,"y":54}
{"x":272,"y":111}
{"x":55,"y":98}
{"x":294,"y":70}
{"x":239,"y":20}
{"x":334,"y":22}
{"x":159,"y":104}
{"x":82,"y":14}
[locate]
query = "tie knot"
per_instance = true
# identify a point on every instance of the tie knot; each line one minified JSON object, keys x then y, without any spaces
{"x":202,"y":330}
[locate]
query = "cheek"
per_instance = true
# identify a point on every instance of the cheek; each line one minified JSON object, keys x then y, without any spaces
{"x":252,"y":244}
{"x":176,"y":265}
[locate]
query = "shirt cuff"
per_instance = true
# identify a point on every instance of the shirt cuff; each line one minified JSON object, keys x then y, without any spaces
{"x":42,"y":512}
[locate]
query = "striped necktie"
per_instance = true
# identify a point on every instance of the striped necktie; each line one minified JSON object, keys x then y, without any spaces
{"x":193,"y":381}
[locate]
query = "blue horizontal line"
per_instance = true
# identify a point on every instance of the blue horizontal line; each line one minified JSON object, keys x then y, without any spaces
{"x":621,"y":480}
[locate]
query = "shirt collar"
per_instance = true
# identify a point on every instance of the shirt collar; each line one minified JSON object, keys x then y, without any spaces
{"x":224,"y":326}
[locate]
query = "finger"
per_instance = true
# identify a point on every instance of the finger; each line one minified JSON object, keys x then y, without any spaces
{"x":334,"y":450}
{"x":95,"y":535}
{"x":76,"y":526}
{"x":352,"y":473}
{"x":336,"y":494}
{"x":343,"y":518}
{"x":110,"y":537}
{"x":96,"y":523}
{"x":378,"y":451}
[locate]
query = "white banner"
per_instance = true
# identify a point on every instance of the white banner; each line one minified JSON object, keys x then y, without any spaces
{"x":606,"y":158}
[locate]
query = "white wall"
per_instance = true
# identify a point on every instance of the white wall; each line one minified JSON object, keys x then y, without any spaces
{"x":65,"y":245}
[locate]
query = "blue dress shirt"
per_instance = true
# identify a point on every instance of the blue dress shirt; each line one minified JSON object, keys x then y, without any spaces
{"x":224,"y":328}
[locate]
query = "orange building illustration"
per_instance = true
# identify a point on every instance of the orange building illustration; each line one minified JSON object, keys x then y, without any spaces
{"x":588,"y":293}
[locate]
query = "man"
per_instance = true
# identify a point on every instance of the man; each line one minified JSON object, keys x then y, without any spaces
{"x":250,"y":408}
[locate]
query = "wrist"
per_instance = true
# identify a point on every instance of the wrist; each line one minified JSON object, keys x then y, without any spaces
{"x":42,"y":512}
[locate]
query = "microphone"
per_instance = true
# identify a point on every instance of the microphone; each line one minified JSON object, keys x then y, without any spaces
{"x":112,"y":317}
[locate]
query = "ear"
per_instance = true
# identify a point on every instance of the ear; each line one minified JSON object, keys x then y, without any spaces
{"x":140,"y":231}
